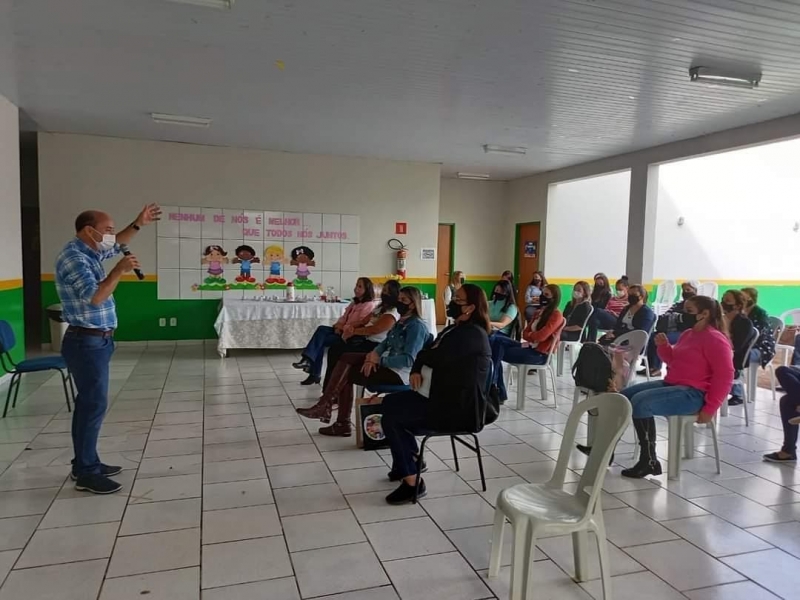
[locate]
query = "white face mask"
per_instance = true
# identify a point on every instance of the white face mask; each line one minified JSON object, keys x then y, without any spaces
{"x":577,"y":296}
{"x":108,"y":241}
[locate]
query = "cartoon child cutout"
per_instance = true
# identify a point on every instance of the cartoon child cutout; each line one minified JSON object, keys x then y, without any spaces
{"x":246,"y":257}
{"x":303,"y":257}
{"x":273,"y":256}
{"x":214,"y":256}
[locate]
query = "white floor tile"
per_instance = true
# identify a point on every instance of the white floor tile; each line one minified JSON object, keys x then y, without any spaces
{"x":75,"y":581}
{"x":246,"y":561}
{"x":181,"y":584}
{"x":407,"y":538}
{"x":715,"y":536}
{"x":774,"y":570}
{"x":68,"y":544}
{"x":441,"y":576}
{"x":321,"y":530}
{"x":337,"y":569}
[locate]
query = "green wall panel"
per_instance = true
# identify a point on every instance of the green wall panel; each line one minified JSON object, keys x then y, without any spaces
{"x":11,"y":310}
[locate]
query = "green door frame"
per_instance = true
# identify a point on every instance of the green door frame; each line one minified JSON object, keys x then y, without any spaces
{"x":517,"y":227}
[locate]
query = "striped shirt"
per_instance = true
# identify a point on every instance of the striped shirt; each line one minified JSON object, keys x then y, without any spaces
{"x":78,"y":274}
{"x":616,"y":305}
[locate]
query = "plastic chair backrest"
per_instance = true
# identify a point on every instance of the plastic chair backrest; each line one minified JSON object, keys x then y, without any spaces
{"x":710,"y":289}
{"x":557,"y":339}
{"x":7,"y":338}
{"x":791,"y":317}
{"x":751,"y":340}
{"x":586,"y":321}
{"x":613,"y":415}
{"x":636,"y":341}
{"x":666,"y":292}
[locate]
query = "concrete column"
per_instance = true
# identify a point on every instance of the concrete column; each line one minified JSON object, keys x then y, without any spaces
{"x":642,"y":223}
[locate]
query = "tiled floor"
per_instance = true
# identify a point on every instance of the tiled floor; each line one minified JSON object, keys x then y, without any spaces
{"x":230,"y":496}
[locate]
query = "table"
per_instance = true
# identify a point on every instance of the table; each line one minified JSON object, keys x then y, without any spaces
{"x":265,"y":324}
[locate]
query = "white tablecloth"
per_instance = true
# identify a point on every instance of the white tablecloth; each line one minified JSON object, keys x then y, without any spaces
{"x":282,"y":325}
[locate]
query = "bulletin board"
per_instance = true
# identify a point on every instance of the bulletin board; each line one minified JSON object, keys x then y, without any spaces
{"x":216,"y":252}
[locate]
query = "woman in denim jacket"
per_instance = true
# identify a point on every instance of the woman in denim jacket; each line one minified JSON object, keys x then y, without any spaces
{"x":389,"y":364}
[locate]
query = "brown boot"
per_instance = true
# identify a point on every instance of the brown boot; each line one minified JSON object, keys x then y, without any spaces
{"x":338,"y":429}
{"x":321,"y":410}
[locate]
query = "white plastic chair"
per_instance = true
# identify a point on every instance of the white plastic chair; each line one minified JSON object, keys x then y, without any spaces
{"x":678,"y":425}
{"x":565,"y":346}
{"x":637,"y":343}
{"x":547,"y":367}
{"x":536,"y":509}
{"x":710,"y":289}
{"x":789,"y":318}
{"x":777,"y":330}
{"x":665,"y":296}
{"x":749,"y":394}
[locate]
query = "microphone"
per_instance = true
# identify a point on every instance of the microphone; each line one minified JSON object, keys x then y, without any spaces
{"x":127,"y":252}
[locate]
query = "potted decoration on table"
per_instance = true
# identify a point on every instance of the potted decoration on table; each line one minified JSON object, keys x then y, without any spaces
{"x":290,"y":295}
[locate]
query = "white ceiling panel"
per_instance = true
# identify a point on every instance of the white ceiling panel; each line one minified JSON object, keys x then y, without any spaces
{"x":423,"y":80}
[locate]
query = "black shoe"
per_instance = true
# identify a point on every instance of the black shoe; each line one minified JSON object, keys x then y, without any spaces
{"x":405,"y":493}
{"x":303,"y":364}
{"x":105,"y":471}
{"x":395,"y":477}
{"x":775,"y":457}
{"x":642,"y":371}
{"x":310,"y":380}
{"x":735,"y":401}
{"x":588,"y":449}
{"x":642,"y":469}
{"x":97,"y":484}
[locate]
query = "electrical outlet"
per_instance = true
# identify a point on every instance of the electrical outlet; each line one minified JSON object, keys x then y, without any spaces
{"x":173,"y":321}
{"x":162,"y":322}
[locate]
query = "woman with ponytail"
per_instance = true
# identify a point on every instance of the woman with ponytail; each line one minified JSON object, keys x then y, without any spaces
{"x":699,"y":377}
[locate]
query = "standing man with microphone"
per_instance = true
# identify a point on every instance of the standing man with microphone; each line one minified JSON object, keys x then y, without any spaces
{"x":88,"y":307}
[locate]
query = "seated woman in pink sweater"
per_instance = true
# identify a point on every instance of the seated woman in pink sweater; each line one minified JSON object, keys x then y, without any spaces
{"x":358,"y":313}
{"x":699,"y":377}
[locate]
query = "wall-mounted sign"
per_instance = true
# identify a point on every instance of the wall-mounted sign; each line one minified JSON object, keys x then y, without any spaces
{"x":529,"y":250}
{"x":427,"y":254}
{"x":401,"y":228}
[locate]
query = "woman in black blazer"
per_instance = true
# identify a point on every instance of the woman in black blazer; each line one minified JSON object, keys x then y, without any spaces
{"x":459,"y":360}
{"x":637,"y":315}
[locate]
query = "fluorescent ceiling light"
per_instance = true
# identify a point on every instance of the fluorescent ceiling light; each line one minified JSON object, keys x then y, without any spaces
{"x":714,"y":76}
{"x":479,"y":176}
{"x":180,"y":120}
{"x":493,"y":149}
{"x":222,"y":4}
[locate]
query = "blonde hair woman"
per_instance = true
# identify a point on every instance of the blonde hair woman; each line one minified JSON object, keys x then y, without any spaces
{"x":456,"y":281}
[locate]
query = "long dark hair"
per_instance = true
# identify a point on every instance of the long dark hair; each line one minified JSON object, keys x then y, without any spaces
{"x":369,"y":290}
{"x":601,"y":295}
{"x":548,"y":310}
{"x":416,"y":298}
{"x":477,"y":298}
{"x":389,"y":295}
{"x":508,"y":290}
{"x":715,"y":316}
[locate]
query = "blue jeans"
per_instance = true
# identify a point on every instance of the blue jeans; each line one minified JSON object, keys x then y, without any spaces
{"x":789,"y":378}
{"x":403,"y":417}
{"x":511,"y":351}
{"x":323,"y":338}
{"x":658,"y":398}
{"x":652,"y":354}
{"x":600,"y":319}
{"x":737,"y":389}
{"x":88,"y":358}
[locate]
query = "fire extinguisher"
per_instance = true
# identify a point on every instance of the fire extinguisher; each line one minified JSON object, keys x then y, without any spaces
{"x":401,"y":254}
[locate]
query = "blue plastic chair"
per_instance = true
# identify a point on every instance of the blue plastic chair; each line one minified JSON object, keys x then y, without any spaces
{"x":32,"y":365}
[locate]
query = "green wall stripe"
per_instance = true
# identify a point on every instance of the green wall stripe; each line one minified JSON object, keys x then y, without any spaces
{"x":12,"y":310}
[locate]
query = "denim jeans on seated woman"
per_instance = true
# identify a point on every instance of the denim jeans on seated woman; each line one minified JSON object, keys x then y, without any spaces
{"x":600,"y":319}
{"x":789,"y":378}
{"x":511,"y":351}
{"x":657,"y":398}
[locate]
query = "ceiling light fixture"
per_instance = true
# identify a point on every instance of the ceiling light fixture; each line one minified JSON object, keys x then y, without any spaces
{"x":714,"y":76}
{"x":573,"y":70}
{"x":221,"y":4}
{"x":477,"y":176}
{"x":494,"y":149}
{"x":180,"y":120}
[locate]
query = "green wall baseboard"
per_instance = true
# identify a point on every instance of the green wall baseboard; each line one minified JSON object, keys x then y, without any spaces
{"x":12,"y":310}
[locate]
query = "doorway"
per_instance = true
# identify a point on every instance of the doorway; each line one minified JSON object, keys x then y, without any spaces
{"x":444,"y":266}
{"x":527,"y":251}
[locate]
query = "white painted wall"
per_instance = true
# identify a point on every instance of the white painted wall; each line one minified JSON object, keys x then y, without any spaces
{"x":10,"y":224}
{"x":478,"y":209}
{"x":739,"y":209}
{"x":119,"y":176}
{"x":587,"y":223}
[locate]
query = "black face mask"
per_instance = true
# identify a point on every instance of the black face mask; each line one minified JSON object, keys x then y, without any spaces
{"x":403,"y":309}
{"x":388,"y":300}
{"x":462,"y":281}
{"x":633,"y":300}
{"x":687,"y":295}
{"x":689,"y":320}
{"x":454,"y":310}
{"x":727,"y":307}
{"x":544,"y":301}
{"x":499,"y":297}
